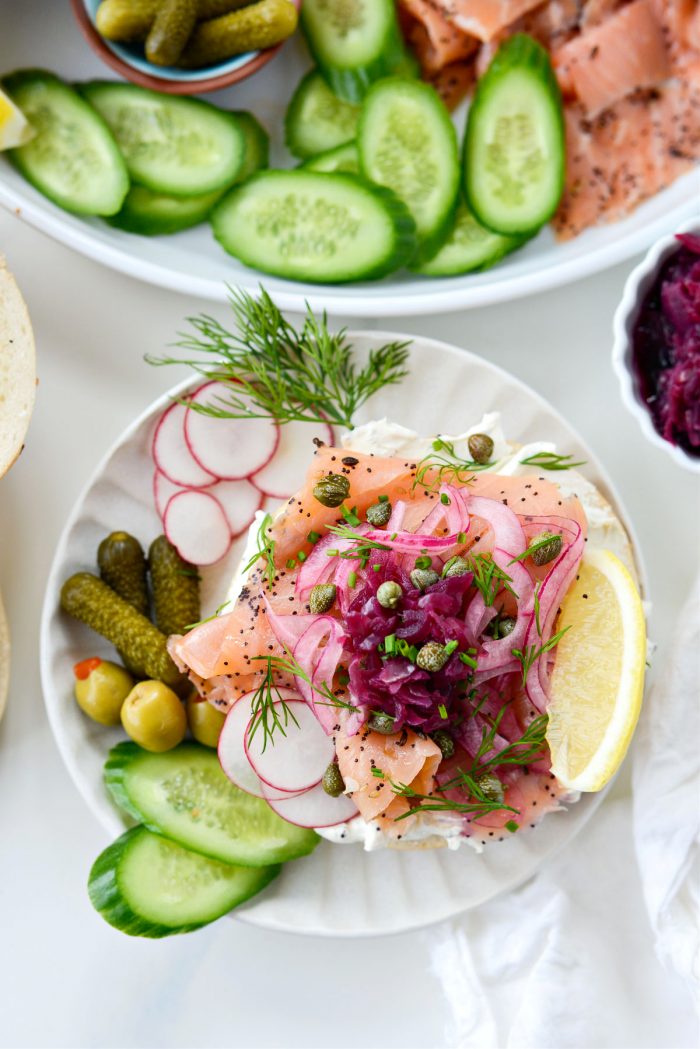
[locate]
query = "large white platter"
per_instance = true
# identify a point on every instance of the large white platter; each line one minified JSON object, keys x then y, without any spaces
{"x":339,"y":889}
{"x":40,"y":34}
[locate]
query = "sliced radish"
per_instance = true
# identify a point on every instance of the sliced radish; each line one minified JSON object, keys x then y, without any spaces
{"x":196,"y":525}
{"x":228,"y":448}
{"x":163,"y":491}
{"x":240,"y":501}
{"x":298,"y":759}
{"x":232,"y":755}
{"x":313,"y":808}
{"x":171,"y":454}
{"x":286,"y":470}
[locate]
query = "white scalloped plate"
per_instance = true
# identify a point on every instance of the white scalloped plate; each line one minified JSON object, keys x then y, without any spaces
{"x":192,"y":262}
{"x":340,"y":889}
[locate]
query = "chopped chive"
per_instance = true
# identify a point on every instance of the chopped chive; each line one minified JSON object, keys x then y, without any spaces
{"x":390,"y":644}
{"x":377,"y":773}
{"x":462,"y":537}
{"x":301,"y":557}
{"x":450,"y":646}
{"x":424,"y":562}
{"x":352,"y":580}
{"x":445,"y":499}
{"x":313,"y":537}
{"x":393,"y":537}
{"x":332,"y":553}
{"x":383,"y":499}
{"x":291,"y":563}
{"x":442,"y":711}
{"x":376,"y":568}
{"x":468,"y":660}
{"x":350,"y":515}
{"x":512,"y":826}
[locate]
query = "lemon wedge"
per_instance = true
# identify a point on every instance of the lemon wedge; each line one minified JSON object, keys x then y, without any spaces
{"x":598,"y":676}
{"x":15,"y":129}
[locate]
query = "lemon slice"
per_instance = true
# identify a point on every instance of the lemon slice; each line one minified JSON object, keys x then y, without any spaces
{"x":598,"y":676}
{"x":15,"y":129}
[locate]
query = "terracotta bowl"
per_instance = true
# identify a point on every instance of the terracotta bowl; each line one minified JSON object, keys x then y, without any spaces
{"x":130,"y":62}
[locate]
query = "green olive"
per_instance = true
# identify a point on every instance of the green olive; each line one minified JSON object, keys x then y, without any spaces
{"x":389,"y":594}
{"x":382,"y":723}
{"x":544,"y":548}
{"x":322,"y":597}
{"x":480,"y":448}
{"x":444,"y":741}
{"x":332,"y":490}
{"x":432,"y":656}
{"x":455,"y":566}
{"x":378,"y":514}
{"x":423,"y":577}
{"x":333,"y":782}
{"x":204,"y":719}
{"x":154,"y":717}
{"x":101,"y":688}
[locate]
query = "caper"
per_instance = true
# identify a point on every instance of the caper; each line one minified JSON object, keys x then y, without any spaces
{"x":480,"y":447}
{"x":378,"y":514}
{"x":322,"y":597}
{"x":501,"y":626}
{"x":432,"y":656}
{"x":154,"y":717}
{"x":100,"y":689}
{"x":332,"y":490}
{"x":545,"y":553}
{"x":204,"y":719}
{"x":389,"y":594}
{"x":382,"y":723}
{"x":491,"y":787}
{"x":444,"y":741}
{"x":423,"y":577}
{"x":333,"y":782}
{"x":455,"y":566}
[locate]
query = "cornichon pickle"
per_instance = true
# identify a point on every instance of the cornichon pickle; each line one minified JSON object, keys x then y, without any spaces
{"x":122,"y":565}
{"x":253,"y":28}
{"x":175,"y":586}
{"x":89,"y":599}
{"x":171,"y":29}
{"x":129,"y":21}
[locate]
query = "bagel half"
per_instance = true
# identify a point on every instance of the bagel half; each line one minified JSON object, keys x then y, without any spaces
{"x":17,"y":369}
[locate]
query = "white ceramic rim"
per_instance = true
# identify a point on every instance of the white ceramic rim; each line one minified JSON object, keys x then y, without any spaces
{"x":637,"y":286}
{"x":53,"y":587}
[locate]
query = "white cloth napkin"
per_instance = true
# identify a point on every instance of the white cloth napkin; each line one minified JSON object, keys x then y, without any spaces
{"x":572,"y":958}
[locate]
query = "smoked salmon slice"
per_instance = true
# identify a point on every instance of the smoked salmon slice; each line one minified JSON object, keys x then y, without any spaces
{"x":484,"y":18}
{"x":611,"y":60}
{"x":436,"y":41}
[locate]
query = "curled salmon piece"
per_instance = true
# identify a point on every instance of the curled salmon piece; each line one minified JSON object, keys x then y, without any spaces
{"x":436,"y":41}
{"x":484,"y":19}
{"x":454,"y":82}
{"x":608,"y":62}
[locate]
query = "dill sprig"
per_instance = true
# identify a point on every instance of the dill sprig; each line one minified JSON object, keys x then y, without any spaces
{"x":521,"y":751}
{"x":273,"y":370}
{"x":481,"y":805}
{"x":444,"y":466}
{"x":265,"y":550}
{"x":362,"y":546}
{"x":527,"y":657}
{"x":551,"y":461}
{"x":267,"y":698}
{"x":489,"y":579}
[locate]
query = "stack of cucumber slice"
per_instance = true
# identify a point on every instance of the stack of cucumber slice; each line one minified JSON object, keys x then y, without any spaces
{"x":202,"y":847}
{"x":380,"y":185}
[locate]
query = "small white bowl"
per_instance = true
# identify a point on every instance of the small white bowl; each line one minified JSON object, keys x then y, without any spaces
{"x":638,"y":285}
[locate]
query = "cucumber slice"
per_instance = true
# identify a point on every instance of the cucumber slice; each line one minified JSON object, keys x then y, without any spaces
{"x":514,"y":149}
{"x":342,"y":158}
{"x":145,"y":885}
{"x":354,"y":42}
{"x":183,"y":795}
{"x":179,"y":146}
{"x":407,"y":142}
{"x":73,"y":158}
{"x":470,"y":246}
{"x":316,"y":119}
{"x":257,"y":144}
{"x":155,"y":214}
{"x":308,"y":225}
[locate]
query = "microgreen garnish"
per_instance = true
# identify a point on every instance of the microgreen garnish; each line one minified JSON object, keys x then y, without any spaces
{"x":551,"y":461}
{"x":527,"y":657}
{"x":489,"y":579}
{"x":265,"y":550}
{"x":444,"y":466}
{"x":535,"y":545}
{"x":273,"y":370}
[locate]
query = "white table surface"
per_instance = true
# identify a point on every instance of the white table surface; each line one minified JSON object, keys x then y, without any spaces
{"x":68,"y":979}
